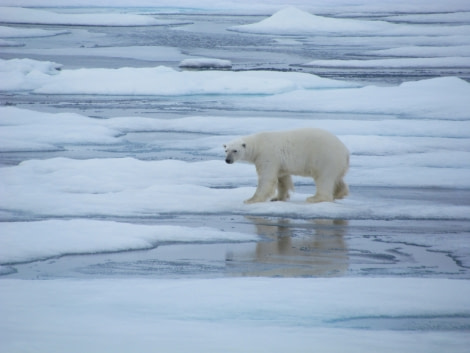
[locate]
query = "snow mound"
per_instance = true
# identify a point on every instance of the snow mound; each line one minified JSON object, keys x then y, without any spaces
{"x":292,"y":20}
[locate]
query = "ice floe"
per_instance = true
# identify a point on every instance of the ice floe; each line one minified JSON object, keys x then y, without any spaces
{"x":13,"y":32}
{"x":236,"y":314}
{"x":292,"y":20}
{"x":36,"y":16}
{"x":205,"y":63}
{"x":30,"y":241}
{"x":16,"y":75}
{"x":60,"y":187}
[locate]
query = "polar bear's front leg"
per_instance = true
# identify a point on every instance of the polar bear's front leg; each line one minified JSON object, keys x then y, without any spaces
{"x":265,"y":189}
{"x":284,"y":184}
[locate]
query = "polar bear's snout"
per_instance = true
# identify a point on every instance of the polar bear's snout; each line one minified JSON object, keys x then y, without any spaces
{"x":229,"y":158}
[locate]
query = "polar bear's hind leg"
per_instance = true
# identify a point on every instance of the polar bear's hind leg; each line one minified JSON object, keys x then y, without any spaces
{"x":325,"y":188}
{"x":341,"y":189}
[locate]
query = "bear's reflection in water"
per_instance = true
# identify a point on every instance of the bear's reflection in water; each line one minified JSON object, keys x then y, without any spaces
{"x":315,"y":248}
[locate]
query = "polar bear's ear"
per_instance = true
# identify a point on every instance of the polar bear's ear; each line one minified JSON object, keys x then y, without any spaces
{"x":244,"y":145}
{"x":225,"y":146}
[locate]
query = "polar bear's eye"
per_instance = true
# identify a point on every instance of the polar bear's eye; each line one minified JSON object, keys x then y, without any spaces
{"x":235,"y":151}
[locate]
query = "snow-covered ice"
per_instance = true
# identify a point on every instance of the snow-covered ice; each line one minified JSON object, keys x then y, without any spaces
{"x":160,"y":80}
{"x":113,"y":183}
{"x":19,"y":241}
{"x":205,"y":63}
{"x":12,"y":32}
{"x":234,"y":315}
{"x":36,"y":16}
{"x":457,"y":61}
{"x":250,"y":7}
{"x":292,"y":20}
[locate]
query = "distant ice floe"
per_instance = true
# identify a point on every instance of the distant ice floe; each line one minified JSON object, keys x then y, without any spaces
{"x":153,"y":81}
{"x":450,"y":17}
{"x":426,"y":51}
{"x":424,"y":99}
{"x":8,"y":43}
{"x":36,"y":16}
{"x":440,"y":62}
{"x":205,"y":63}
{"x":437,"y":98}
{"x":278,"y":90}
{"x":292,"y":20}
{"x":12,"y":32}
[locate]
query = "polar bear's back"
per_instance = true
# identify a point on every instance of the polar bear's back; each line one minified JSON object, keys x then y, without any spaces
{"x":301,"y":151}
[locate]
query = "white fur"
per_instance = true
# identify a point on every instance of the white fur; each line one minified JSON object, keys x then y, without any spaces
{"x":305,"y":152}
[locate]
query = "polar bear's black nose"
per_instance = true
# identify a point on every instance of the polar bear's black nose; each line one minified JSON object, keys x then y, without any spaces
{"x":229,"y":161}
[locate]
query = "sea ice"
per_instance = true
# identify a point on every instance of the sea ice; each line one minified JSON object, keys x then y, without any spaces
{"x":145,"y":53}
{"x":437,"y":98}
{"x":263,"y":6}
{"x":13,"y":32}
{"x":424,"y":52}
{"x":61,"y":187}
{"x":413,"y":135}
{"x":205,"y":63}
{"x":31,"y":241}
{"x":292,"y":20}
{"x":235,"y":315}
{"x":36,"y":16}
{"x":16,"y":75}
{"x":440,"y":62}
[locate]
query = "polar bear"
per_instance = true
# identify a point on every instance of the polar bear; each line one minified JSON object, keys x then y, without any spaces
{"x":306,"y":152}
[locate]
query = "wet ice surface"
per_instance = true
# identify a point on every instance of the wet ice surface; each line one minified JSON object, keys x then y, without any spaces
{"x":285,"y":248}
{"x":142,"y":225}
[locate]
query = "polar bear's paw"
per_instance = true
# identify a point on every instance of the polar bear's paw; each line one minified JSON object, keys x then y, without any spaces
{"x":252,"y":200}
{"x":319,"y":198}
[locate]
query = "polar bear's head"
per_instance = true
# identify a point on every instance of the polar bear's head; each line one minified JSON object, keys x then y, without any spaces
{"x":235,"y":151}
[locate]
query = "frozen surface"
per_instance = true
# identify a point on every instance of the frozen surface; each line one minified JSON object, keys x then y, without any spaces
{"x":20,"y":243}
{"x":154,"y":81}
{"x":292,"y":20}
{"x":397,"y":63}
{"x":119,"y":217}
{"x":35,"y":16}
{"x":144,"y":53}
{"x":248,"y":7}
{"x":206,"y":63}
{"x":12,"y":32}
{"x":233,"y":315}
